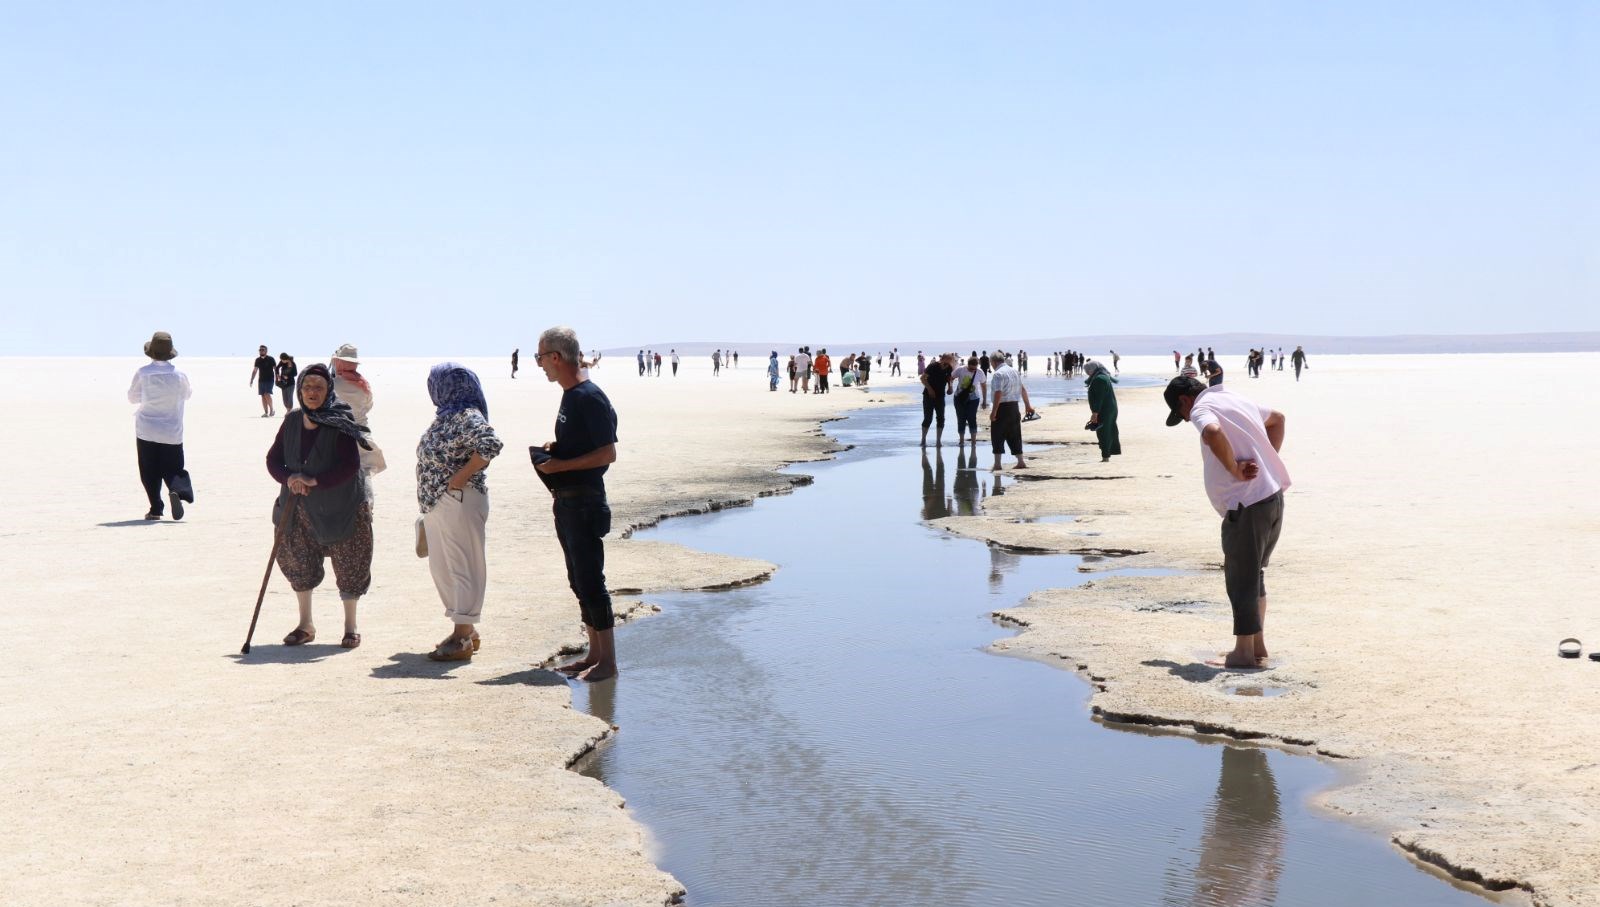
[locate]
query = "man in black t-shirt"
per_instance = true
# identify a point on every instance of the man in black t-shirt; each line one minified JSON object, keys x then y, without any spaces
{"x":935,"y":383}
{"x":261,"y":375}
{"x":574,"y":470}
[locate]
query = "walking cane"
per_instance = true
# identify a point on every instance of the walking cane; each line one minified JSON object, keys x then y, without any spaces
{"x":277,"y":539}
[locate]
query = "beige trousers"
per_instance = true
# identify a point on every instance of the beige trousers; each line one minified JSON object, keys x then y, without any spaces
{"x":455,"y":530}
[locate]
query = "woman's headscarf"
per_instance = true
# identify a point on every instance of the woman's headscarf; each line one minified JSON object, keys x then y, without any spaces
{"x":453,"y":388}
{"x":1094,"y":367}
{"x":334,"y":413}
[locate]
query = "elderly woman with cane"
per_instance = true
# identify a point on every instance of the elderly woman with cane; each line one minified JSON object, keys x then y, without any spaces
{"x":1103,"y":409}
{"x":316,"y":458}
{"x":454,"y":498}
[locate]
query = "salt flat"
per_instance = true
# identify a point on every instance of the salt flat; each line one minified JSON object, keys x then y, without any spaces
{"x":145,"y":762}
{"x":1442,"y":534}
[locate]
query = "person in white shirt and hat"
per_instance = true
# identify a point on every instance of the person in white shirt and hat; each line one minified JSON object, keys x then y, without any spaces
{"x":353,"y":389}
{"x":160,"y":391}
{"x":1245,"y":479}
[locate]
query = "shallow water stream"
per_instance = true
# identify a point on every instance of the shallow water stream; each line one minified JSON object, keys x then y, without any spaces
{"x":838,"y":736}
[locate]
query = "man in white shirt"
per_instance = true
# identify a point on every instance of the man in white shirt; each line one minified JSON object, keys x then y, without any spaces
{"x":1245,"y":480}
{"x":160,"y":390}
{"x":1006,"y":391}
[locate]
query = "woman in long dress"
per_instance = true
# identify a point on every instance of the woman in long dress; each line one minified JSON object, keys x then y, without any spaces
{"x":1103,"y":409}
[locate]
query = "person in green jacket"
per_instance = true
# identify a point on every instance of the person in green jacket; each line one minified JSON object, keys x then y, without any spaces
{"x":1103,"y":409}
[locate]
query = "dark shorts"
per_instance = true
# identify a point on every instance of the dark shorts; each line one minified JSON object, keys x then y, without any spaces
{"x":264,"y":387}
{"x":1248,"y":536}
{"x":932,"y":406}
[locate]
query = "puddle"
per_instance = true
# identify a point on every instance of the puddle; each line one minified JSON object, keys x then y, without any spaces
{"x":839,"y":736}
{"x":1262,"y":692}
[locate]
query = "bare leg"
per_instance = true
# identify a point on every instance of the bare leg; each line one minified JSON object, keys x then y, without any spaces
{"x":350,"y":614}
{"x":604,"y":653}
{"x":303,"y":599}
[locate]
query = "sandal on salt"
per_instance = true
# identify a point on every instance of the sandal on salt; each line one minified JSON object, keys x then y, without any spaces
{"x":1569,"y":648}
{"x":350,"y":641}
{"x":299,"y":637}
{"x":456,"y":648}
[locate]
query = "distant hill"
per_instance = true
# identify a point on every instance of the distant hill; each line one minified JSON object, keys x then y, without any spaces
{"x":1153,"y":344}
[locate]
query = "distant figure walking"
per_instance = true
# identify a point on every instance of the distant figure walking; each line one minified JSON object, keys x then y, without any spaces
{"x":823,"y":363}
{"x":864,"y":365}
{"x":674,"y":363}
{"x":574,"y":470}
{"x":922,"y":364}
{"x":1245,"y":480}
{"x":894,"y":362}
{"x":261,"y":375}
{"x":641,"y":363}
{"x":160,"y":390}
{"x":453,"y":497}
{"x":716,"y":362}
{"x":316,"y":457}
{"x":1009,"y":397}
{"x":1103,"y":410}
{"x":735,"y":358}
{"x":1298,"y":357}
{"x":772,"y":372}
{"x":287,"y":372}
{"x":514,"y":354}
{"x":1116,"y":363}
{"x":1177,"y":361}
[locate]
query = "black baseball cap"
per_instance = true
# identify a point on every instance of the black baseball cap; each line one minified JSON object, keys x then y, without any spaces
{"x":1181,"y":386}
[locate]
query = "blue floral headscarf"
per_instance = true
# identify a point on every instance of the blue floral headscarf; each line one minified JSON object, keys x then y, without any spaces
{"x":453,"y":388}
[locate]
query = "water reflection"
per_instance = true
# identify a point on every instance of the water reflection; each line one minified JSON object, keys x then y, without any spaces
{"x":968,"y":492}
{"x":840,"y":736}
{"x":1241,"y":846}
{"x":934,"y":504}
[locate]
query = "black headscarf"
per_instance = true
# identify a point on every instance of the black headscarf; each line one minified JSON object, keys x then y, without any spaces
{"x":334,"y":413}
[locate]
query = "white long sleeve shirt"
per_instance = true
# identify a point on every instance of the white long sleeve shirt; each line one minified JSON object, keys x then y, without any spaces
{"x":159,"y":389}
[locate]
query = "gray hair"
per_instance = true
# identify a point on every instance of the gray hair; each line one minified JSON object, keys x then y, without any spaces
{"x":563,"y":341}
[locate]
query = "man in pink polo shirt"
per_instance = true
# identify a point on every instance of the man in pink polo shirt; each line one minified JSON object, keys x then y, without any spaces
{"x":1245,"y":480}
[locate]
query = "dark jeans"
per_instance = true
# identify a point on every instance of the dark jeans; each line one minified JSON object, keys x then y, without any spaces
{"x":288,"y":394}
{"x":1248,"y":536}
{"x":1006,"y":429}
{"x":582,"y":522}
{"x":967,"y":415}
{"x":158,"y":463}
{"x":932,"y":406}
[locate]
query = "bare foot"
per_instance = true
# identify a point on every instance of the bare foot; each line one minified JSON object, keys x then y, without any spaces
{"x":1020,"y":465}
{"x":1230,"y":660}
{"x":575,"y":668}
{"x":598,"y":673}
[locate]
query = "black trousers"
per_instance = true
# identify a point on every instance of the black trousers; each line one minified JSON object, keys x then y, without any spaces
{"x":581,"y":524}
{"x":158,"y":463}
{"x":932,"y":406}
{"x":1006,"y":429}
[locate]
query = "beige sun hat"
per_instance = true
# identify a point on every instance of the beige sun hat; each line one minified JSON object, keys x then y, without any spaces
{"x":348,"y":353}
{"x":159,"y":347}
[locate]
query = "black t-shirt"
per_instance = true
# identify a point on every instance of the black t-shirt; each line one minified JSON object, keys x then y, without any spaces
{"x":938,"y":376}
{"x":586,"y":422}
{"x":264,"y":368}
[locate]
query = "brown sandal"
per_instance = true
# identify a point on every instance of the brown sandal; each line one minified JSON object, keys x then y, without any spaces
{"x":350,"y":641}
{"x":299,"y":637}
{"x":456,"y":648}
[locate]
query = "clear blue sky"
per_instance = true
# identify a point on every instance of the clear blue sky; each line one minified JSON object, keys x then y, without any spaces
{"x":450,"y":178}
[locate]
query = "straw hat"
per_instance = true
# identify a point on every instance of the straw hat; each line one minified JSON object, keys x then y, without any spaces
{"x":348,"y":353}
{"x":159,"y":347}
